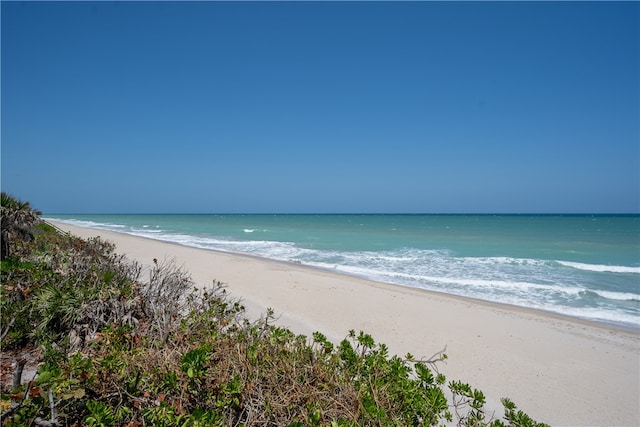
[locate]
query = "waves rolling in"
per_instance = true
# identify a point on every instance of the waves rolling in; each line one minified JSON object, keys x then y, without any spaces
{"x":596,"y":291}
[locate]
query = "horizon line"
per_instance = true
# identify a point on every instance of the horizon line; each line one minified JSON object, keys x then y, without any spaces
{"x":352,"y":213}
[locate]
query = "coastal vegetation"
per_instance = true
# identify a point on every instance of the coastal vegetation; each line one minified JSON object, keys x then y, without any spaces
{"x":91,"y":338}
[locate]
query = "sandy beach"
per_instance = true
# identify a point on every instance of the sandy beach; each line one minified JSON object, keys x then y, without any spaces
{"x":559,"y":370}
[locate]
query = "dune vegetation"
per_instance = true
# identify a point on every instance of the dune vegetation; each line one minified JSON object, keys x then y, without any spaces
{"x":91,"y":338}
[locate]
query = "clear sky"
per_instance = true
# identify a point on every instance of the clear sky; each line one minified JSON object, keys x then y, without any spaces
{"x":326,"y":107}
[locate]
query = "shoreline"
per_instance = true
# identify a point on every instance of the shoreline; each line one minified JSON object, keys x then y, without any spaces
{"x":559,"y":369}
{"x":602,"y":324}
{"x":607,"y":326}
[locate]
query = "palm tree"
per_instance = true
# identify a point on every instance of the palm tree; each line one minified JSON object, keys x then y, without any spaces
{"x":17,"y":219}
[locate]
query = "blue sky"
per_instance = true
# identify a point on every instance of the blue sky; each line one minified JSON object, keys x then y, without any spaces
{"x":435,"y":107}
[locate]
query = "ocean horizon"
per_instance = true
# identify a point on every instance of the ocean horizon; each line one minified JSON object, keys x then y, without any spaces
{"x":582,"y":265}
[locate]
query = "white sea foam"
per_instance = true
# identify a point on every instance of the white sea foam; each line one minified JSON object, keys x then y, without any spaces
{"x":91,"y":224}
{"x":597,"y":314}
{"x":600,"y":268}
{"x":526,"y":294}
{"x":264,"y":248}
{"x":618,"y":296}
{"x":146,"y":230}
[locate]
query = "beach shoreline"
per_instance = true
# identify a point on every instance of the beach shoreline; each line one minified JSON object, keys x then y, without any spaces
{"x":559,"y":369}
{"x":601,"y":324}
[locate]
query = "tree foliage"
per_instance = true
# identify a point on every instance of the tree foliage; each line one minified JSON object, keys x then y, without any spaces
{"x":17,"y":219}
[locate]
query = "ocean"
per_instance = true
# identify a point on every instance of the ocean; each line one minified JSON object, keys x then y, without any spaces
{"x":585,"y":266}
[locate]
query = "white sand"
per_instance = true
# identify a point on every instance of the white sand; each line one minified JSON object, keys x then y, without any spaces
{"x":559,"y":370}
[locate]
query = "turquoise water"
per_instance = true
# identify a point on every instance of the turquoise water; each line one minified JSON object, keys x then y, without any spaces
{"x":586,"y":266}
